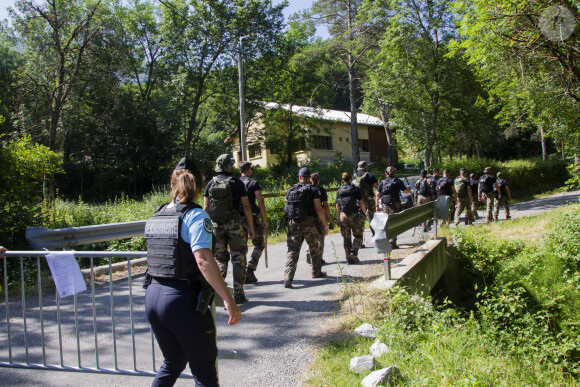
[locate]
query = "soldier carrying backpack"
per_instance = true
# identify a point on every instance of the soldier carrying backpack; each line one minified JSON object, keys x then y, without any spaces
{"x":502,"y":199}
{"x":348,"y":199}
{"x":487,"y":183}
{"x":366,"y":182}
{"x":389,"y":196}
{"x":223,"y":196}
{"x":464,"y":197}
{"x":301,"y":207}
{"x":423,"y":195}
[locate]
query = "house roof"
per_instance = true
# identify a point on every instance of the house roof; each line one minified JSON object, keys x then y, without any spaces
{"x":326,"y":114}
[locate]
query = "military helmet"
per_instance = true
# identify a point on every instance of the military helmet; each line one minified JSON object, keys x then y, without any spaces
{"x":390,"y":170}
{"x":223,"y":163}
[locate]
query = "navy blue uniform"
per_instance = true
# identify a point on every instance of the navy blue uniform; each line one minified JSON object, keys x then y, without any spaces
{"x":184,"y":335}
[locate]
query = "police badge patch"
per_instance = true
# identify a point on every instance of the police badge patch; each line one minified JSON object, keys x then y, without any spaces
{"x":207,"y":225}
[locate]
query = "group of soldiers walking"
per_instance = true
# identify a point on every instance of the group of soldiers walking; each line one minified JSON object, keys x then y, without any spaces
{"x":234,"y":204}
{"x":465,"y":193}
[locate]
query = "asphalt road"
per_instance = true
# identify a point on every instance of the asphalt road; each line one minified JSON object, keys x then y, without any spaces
{"x":279,"y":328}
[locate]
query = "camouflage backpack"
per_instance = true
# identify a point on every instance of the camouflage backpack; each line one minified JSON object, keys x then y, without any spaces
{"x":460,"y":187}
{"x":360,"y":182}
{"x":221,"y":201}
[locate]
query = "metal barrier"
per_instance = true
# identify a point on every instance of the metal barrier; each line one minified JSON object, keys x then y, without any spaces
{"x":100,"y":323}
{"x":388,"y":226}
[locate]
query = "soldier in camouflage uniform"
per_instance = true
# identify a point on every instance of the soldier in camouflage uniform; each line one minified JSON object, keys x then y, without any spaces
{"x":260,"y":228}
{"x":302,"y":205}
{"x":505,"y":191}
{"x":474,"y":183}
{"x":348,"y":200}
{"x":223,"y":196}
{"x":388,"y":196}
{"x":464,"y":197}
{"x":487,"y":183}
{"x":366,"y":182}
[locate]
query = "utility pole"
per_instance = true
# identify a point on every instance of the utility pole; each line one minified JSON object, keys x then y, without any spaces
{"x":242,"y":104}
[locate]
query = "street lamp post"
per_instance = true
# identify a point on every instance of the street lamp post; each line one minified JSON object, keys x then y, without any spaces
{"x":242,"y":104}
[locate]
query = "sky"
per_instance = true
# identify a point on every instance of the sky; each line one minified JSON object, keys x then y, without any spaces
{"x":293,"y":7}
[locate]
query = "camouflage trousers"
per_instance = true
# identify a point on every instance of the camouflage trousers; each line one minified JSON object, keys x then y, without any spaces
{"x":371,"y":208}
{"x":463,"y":204}
{"x":257,"y":241}
{"x":298,"y":231}
{"x":503,"y":201}
{"x":231,"y":234}
{"x":350,"y":224}
{"x":489,"y":200}
{"x":474,"y":205}
{"x":451,"y":213}
{"x":321,"y":238}
{"x":424,"y":200}
{"x":392,"y":209}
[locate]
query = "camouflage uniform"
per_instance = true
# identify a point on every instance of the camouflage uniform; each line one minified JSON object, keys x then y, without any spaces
{"x":504,"y":200}
{"x":351,"y":223}
{"x":233,"y":235}
{"x":257,"y":241}
{"x":463,"y":203}
{"x":489,"y":201}
{"x":298,"y":231}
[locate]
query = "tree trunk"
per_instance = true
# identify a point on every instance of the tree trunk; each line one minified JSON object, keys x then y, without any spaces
{"x":385,"y":114}
{"x":544,"y":145}
{"x":353,"y":119}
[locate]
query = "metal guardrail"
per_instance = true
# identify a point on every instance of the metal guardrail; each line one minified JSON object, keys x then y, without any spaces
{"x":388,"y":226}
{"x":43,"y":238}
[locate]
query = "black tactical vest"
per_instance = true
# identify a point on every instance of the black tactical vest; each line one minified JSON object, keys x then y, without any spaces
{"x":168,"y":256}
{"x":348,"y":200}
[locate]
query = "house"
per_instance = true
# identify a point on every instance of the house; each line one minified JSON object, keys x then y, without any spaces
{"x":331,"y":135}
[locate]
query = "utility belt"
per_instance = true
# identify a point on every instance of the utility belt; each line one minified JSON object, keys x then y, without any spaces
{"x":202,"y":292}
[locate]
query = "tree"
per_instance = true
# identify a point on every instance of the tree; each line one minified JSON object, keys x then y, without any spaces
{"x":411,"y":71}
{"x":353,"y":29}
{"x":202,"y":37}
{"x":529,"y":72}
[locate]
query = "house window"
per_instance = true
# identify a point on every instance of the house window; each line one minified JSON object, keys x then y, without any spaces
{"x":255,"y":150}
{"x":323,"y":142}
{"x":364,"y":145}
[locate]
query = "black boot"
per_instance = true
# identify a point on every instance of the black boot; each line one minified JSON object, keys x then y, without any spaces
{"x":250,"y":276}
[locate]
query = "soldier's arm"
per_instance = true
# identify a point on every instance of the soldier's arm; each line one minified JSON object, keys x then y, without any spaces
{"x":378,"y":199}
{"x":363,"y":207}
{"x":206,"y":204}
{"x":262,"y":206}
{"x":509,"y":192}
{"x":321,"y":216}
{"x":248,"y":214}
{"x":337,"y":213}
{"x":327,"y":212}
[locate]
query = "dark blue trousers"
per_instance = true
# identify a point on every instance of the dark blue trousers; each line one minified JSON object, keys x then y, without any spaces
{"x":183,"y":334}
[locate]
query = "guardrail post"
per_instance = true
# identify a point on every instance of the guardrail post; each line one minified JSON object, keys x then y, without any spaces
{"x":387,"y":264}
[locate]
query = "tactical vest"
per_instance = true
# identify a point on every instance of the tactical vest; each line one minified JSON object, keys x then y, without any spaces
{"x":444,"y":187}
{"x":486,"y":183}
{"x":168,"y":256}
{"x":348,"y":199}
{"x":423,"y":188}
{"x":461,"y":187}
{"x":389,"y":193}
{"x":298,"y":202}
{"x":502,"y":184}
{"x":221,"y":201}
{"x":360,"y":182}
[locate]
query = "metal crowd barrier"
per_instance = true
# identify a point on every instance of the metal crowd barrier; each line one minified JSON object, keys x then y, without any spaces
{"x":388,"y":226}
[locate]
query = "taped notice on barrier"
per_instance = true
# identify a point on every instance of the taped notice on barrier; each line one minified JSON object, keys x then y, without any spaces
{"x":66,"y":273}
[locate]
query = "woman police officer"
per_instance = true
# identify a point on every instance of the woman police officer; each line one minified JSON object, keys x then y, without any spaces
{"x":180,"y":267}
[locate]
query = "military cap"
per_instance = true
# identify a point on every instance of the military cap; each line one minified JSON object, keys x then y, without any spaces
{"x":304,"y":172}
{"x":223,"y":163}
{"x":362,"y":164}
{"x":487,"y":170}
{"x":390,"y":170}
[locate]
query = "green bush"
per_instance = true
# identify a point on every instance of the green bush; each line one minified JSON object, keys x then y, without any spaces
{"x":563,"y":239}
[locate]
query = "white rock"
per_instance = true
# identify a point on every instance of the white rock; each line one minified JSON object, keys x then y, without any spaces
{"x":362,"y":363}
{"x":379,"y":348}
{"x":366,"y":330}
{"x":383,"y":377}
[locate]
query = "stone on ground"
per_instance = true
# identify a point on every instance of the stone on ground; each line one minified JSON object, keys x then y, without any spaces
{"x":379,"y":348}
{"x":362,"y":363}
{"x":384,"y":377}
{"x":366,"y":330}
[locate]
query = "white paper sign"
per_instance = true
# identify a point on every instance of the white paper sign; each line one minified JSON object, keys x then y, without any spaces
{"x":66,"y":273}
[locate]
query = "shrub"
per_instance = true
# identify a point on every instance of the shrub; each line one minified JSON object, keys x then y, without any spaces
{"x":564,"y":238}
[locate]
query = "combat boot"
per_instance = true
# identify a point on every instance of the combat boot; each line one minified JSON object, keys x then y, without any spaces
{"x":322,"y":274}
{"x":288,"y":284}
{"x":240,"y":298}
{"x":250,"y":276}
